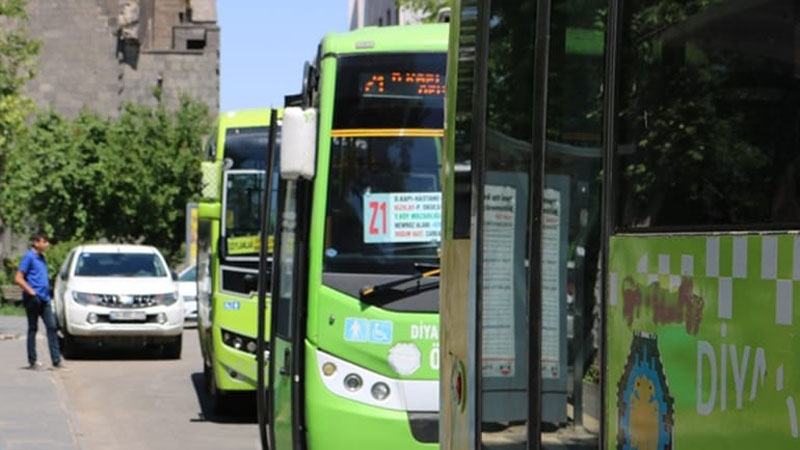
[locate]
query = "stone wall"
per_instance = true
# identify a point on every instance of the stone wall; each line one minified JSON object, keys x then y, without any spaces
{"x":83,"y":63}
{"x":77,"y":64}
{"x":194,"y":72}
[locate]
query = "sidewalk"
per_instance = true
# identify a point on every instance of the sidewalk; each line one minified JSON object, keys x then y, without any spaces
{"x":34,"y":411}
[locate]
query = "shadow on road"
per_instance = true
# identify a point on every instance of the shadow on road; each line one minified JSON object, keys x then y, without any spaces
{"x":116,"y":352}
{"x":242,"y":410}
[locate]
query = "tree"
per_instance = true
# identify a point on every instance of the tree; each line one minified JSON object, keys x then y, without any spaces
{"x":17,"y":59}
{"x":123,"y":180}
{"x":152,"y":164}
{"x":428,"y":8}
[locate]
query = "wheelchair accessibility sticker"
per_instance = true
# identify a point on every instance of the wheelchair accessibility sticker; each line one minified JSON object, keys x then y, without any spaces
{"x":373,"y":331}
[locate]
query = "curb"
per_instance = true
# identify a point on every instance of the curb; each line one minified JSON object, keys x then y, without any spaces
{"x":69,"y":412}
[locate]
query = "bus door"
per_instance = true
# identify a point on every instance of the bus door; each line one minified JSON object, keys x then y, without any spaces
{"x":286,"y":366}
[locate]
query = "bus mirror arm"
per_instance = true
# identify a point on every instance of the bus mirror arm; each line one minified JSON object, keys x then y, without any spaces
{"x":222,"y":247}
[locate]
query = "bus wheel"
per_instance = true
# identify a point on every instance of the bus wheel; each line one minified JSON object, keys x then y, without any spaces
{"x":220,"y":401}
{"x":172,"y":349}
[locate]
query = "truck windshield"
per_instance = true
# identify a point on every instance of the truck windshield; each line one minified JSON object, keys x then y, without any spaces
{"x":119,"y":265}
{"x":383,"y":211}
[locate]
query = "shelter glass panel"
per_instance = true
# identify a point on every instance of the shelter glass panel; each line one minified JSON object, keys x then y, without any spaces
{"x":571,"y":218}
{"x":708,"y":115}
{"x":504,"y":296}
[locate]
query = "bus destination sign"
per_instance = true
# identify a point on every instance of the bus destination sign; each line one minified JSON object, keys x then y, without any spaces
{"x":402,"y":84}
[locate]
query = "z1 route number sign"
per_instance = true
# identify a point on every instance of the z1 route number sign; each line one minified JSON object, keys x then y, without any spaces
{"x":402,"y":217}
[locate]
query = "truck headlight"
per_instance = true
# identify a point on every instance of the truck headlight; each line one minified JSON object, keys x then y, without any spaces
{"x":84,"y":298}
{"x":166,"y":299}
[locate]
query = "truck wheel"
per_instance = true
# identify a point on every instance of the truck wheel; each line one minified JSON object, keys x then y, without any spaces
{"x":69,"y":348}
{"x":172,"y":349}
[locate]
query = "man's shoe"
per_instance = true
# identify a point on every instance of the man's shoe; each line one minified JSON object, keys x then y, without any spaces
{"x":60,"y":366}
{"x":35,"y":366}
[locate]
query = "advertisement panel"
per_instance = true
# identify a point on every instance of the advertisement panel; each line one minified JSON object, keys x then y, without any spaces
{"x":700,"y":334}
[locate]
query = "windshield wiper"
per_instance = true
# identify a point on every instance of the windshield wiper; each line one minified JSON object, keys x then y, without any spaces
{"x":387,"y":291}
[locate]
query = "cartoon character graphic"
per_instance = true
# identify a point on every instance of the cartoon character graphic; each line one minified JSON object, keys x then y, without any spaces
{"x":644,"y":415}
{"x":645,"y":410}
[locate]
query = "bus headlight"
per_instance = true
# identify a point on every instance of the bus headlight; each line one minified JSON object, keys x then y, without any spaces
{"x":329,"y":369}
{"x":352,"y":382}
{"x":380,"y":391}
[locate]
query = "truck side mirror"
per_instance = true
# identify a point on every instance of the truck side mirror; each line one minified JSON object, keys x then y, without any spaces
{"x":298,"y":143}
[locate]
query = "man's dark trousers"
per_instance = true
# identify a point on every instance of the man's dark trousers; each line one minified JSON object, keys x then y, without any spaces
{"x":35,"y":308}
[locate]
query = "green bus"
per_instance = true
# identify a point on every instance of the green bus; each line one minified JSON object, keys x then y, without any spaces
{"x":355,"y":360}
{"x":229,"y":222}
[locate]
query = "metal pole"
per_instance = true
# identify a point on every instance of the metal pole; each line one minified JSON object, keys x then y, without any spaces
{"x":613,"y":36}
{"x":538,"y":139}
{"x":263,"y":267}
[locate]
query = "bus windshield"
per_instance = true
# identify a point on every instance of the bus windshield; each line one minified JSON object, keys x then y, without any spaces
{"x":383,"y":211}
{"x":246,"y":147}
{"x":245,"y":180}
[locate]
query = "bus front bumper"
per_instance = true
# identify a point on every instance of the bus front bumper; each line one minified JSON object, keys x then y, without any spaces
{"x":337,"y":422}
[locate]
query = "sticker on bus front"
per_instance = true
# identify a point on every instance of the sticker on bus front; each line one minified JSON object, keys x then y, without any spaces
{"x":233,"y":306}
{"x":355,"y":330}
{"x":364,"y":330}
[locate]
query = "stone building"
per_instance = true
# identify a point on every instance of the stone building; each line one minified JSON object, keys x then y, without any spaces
{"x":363,"y":13}
{"x":100,"y":54}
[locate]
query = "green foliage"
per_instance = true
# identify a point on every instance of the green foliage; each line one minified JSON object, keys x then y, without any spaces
{"x":8,"y":309}
{"x":428,"y":8}
{"x":56,"y":255}
{"x":7,"y":270}
{"x":17,"y":57}
{"x":122,"y":180}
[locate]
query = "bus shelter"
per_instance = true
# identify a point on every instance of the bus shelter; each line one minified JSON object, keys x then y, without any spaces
{"x":620,"y":225}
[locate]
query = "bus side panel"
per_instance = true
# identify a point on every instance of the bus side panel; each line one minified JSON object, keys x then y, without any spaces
{"x":700,"y":336}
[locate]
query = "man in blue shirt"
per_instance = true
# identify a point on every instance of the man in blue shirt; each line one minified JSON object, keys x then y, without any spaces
{"x":32,"y":277}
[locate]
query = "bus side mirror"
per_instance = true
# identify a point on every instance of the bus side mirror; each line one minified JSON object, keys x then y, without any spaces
{"x":209,"y":210}
{"x":298,"y":143}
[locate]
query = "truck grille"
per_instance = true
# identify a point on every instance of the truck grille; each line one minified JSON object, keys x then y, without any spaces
{"x":127,"y":301}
